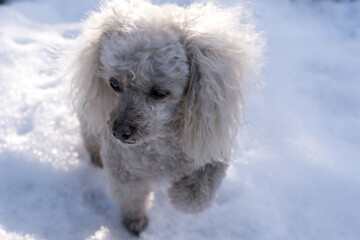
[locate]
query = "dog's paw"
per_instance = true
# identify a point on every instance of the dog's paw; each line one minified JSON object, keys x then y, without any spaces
{"x":188,"y":196}
{"x":96,"y":160}
{"x":194,"y":193}
{"x":135,"y":225}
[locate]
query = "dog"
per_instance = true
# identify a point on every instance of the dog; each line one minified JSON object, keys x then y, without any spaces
{"x":159,"y":93}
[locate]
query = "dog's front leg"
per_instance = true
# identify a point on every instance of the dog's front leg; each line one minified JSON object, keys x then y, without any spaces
{"x":92,"y":144}
{"x":193,"y":193}
{"x":134,"y":198}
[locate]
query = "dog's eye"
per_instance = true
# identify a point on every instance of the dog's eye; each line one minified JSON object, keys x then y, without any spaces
{"x":158,"y":94}
{"x":115,"y":84}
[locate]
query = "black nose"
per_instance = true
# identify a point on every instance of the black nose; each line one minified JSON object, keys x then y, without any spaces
{"x":122,"y":131}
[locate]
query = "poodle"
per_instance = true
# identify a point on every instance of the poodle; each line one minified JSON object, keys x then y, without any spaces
{"x":159,"y":94}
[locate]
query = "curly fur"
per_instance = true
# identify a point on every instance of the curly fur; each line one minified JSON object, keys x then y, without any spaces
{"x":201,"y":60}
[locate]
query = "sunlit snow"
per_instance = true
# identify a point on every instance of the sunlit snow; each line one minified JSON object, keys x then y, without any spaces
{"x":296,"y":170}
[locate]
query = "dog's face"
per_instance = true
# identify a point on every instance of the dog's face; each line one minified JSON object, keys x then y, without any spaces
{"x":147,"y":77}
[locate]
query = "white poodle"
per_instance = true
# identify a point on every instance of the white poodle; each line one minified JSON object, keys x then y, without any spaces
{"x":158,"y":91}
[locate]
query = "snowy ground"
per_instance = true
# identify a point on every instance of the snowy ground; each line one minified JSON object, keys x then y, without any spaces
{"x":297,"y":169}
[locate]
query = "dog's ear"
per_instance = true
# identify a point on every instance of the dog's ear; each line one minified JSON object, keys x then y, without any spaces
{"x":90,"y":96}
{"x":222,"y":58}
{"x":86,"y":88}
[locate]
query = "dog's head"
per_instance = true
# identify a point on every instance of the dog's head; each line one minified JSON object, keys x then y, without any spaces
{"x":147,"y":73}
{"x":144,"y":72}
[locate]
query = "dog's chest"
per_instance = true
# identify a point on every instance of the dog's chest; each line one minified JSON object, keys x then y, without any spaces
{"x":155,"y":160}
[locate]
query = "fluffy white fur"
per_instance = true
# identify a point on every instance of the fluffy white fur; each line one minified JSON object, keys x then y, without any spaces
{"x":182,"y":74}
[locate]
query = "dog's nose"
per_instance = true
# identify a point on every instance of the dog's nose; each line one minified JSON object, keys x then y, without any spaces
{"x":122,"y":131}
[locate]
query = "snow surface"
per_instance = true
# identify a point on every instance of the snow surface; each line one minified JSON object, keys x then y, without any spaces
{"x":297,"y":169}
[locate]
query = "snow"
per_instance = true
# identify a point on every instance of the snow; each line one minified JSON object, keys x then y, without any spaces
{"x":296,"y":170}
